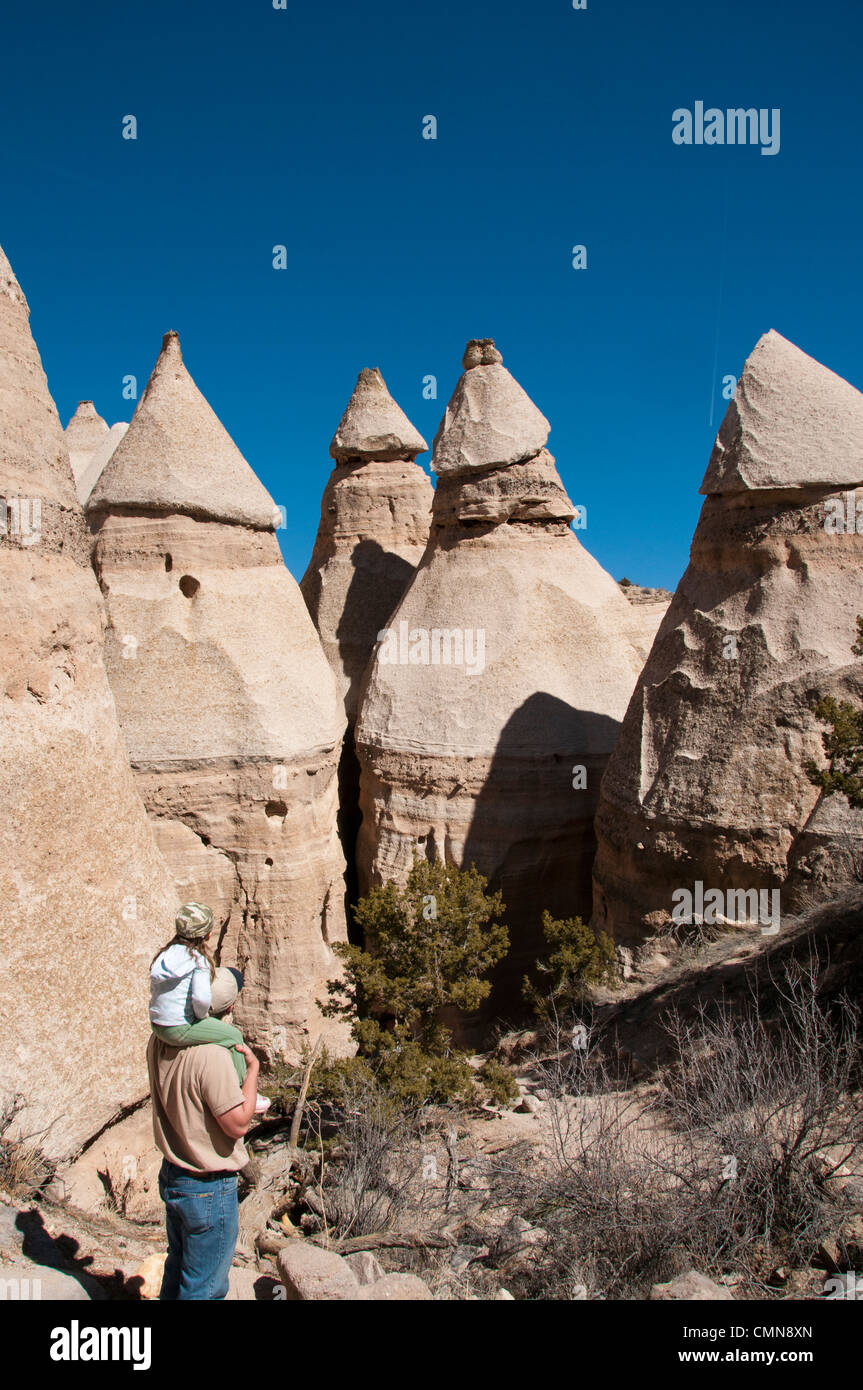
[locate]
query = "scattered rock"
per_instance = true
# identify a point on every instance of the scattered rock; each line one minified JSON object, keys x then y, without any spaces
{"x":465,"y":1255}
{"x":24,"y":1281}
{"x":151,"y":1272}
{"x":366,"y":1268}
{"x":690,"y":1287}
{"x":843,"y":1250}
{"x":401,"y":1288}
{"x":249,"y":1286}
{"x":530,"y":1105}
{"x":309,"y":1273}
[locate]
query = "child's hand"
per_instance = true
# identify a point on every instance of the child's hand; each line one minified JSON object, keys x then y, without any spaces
{"x":247,"y":1053}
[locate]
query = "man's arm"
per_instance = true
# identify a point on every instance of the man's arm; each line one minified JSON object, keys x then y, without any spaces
{"x":235,"y":1122}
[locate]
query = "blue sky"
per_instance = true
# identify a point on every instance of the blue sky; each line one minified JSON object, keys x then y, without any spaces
{"x":303,"y":127}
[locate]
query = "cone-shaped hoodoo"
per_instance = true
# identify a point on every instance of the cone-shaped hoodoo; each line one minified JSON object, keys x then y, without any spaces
{"x":86,"y":897}
{"x":708,"y":781}
{"x":494,"y":700}
{"x":227,"y":704}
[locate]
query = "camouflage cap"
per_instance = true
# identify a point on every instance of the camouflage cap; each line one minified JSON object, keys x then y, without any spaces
{"x":193,"y":921}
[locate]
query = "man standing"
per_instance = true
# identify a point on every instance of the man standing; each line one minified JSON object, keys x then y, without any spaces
{"x":200,"y":1114}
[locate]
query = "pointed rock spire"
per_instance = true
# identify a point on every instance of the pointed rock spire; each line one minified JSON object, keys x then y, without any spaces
{"x":375,"y":516}
{"x":490,"y":420}
{"x":9,"y":286}
{"x":34,"y":462}
{"x":229,"y":708}
{"x":95,"y":466}
{"x":178,"y":457}
{"x":86,"y":428}
{"x":708,"y":780}
{"x":81,"y":877}
{"x":792,"y":423}
{"x":84,"y":434}
{"x":504,"y":671}
{"x":374,"y":426}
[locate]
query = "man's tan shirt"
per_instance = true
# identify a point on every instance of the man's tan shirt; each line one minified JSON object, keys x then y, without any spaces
{"x":190,"y":1086}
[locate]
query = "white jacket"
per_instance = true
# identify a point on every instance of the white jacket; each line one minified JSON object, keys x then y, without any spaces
{"x":179,"y":987}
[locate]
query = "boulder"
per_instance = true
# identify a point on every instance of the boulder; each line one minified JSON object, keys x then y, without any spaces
{"x":690,"y":1287}
{"x":396,"y":1288}
{"x":22,"y":1281}
{"x":374,"y":426}
{"x":310,"y":1273}
{"x":119,"y":1171}
{"x":367,"y":1269}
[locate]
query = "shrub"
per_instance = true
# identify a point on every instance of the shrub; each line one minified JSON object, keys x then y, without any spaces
{"x":843,"y":743}
{"x":730,"y":1167}
{"x":576,"y":961}
{"x":499,"y":1082}
{"x":23,"y":1166}
{"x":432,"y":945}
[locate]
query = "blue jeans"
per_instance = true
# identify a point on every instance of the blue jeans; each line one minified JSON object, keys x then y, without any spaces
{"x":202,"y":1220}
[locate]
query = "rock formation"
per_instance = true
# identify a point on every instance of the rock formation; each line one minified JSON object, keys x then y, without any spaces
{"x":226,"y":701}
{"x":86,"y":897}
{"x":649,"y":607}
{"x":707,"y":781}
{"x":493,"y":704}
{"x":374,"y":526}
{"x":90,"y":444}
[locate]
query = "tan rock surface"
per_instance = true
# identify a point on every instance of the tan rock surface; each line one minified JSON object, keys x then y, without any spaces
{"x":480,"y":767}
{"x":180,"y":457}
{"x":373,"y":425}
{"x":119,"y":1171}
{"x":375,"y":517}
{"x":85,"y":432}
{"x":86,"y":896}
{"x":226,"y":701}
{"x":649,"y":607}
{"x":707,"y":780}
{"x":93,"y":469}
{"x":311,"y":1274}
{"x":690,"y":1287}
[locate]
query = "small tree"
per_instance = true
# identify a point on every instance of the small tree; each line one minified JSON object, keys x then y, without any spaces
{"x":577,"y":960}
{"x":432,"y":944}
{"x":843,"y":743}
